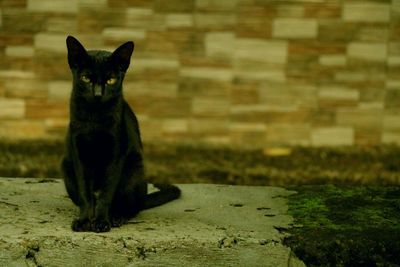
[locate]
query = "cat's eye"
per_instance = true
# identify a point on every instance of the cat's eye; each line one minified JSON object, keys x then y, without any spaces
{"x":85,"y":79}
{"x":111,"y":81}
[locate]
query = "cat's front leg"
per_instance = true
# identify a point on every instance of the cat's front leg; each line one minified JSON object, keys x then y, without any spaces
{"x":101,"y":221}
{"x":83,"y":223}
{"x":103,"y":200}
{"x":76,"y":189}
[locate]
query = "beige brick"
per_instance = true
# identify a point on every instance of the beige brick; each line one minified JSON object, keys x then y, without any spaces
{"x":244,"y":94}
{"x":25,"y":88}
{"x":290,"y":11}
{"x":214,"y":21}
{"x":391,"y":137}
{"x":210,"y":106}
{"x":395,"y":9}
{"x":351,"y":76}
{"x":248,"y":127}
{"x":22,"y":129}
{"x":367,"y":118}
{"x":393,"y":61}
{"x":373,"y":33}
{"x":93,"y":3}
{"x":391,"y":121}
{"x":50,"y":42}
{"x":288,"y":97}
{"x":394,"y":47}
{"x":332,"y":136}
{"x":20,"y":51}
{"x":259,"y":50}
{"x":293,"y":28}
{"x":371,"y":105}
{"x":270,"y":114}
{"x":123,"y":34}
{"x":217,"y":74}
{"x":366,"y":11}
{"x":179,"y":20}
{"x":396,"y":4}
{"x":261,"y":74}
{"x":225,"y":5}
{"x":393,"y":84}
{"x":60,"y":90}
{"x":145,"y":18}
{"x":175,"y":126}
{"x":155,"y":63}
{"x":60,"y":6}
{"x":220,"y":45}
{"x":61,"y":24}
{"x":368,"y":51}
{"x":12,"y":108}
{"x":2,"y":89}
{"x":257,"y":108}
{"x":138,"y":12}
{"x":17,"y":74}
{"x":91,"y":41}
{"x":338,"y":93}
{"x":53,"y":124}
{"x":150,"y":127}
{"x":151,"y":89}
{"x":333,"y":60}
{"x":252,"y":70}
{"x":171,"y":5}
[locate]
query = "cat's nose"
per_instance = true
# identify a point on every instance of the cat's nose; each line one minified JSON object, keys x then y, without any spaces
{"x":98,"y":91}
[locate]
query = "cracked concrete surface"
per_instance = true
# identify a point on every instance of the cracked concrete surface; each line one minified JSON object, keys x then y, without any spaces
{"x":210,"y":225}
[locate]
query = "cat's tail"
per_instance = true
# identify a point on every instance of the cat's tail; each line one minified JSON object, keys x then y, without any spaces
{"x":166,"y":193}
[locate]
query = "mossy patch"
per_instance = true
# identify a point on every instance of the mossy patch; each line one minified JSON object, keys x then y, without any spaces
{"x":346,"y":225}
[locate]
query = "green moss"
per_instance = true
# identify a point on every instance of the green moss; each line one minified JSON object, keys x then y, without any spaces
{"x":346,"y":225}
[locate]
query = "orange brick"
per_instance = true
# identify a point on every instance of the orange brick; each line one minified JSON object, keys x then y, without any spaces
{"x":37,"y":109}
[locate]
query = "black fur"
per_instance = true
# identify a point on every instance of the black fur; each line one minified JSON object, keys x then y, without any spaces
{"x":103,"y":164}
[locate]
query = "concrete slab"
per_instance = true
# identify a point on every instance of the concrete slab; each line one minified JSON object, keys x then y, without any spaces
{"x":211,"y":225}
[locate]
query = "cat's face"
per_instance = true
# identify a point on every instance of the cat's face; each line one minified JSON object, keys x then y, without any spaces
{"x":98,"y":75}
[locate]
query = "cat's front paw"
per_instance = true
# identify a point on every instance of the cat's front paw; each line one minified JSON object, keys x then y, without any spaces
{"x":117,"y":221}
{"x":101,"y":225}
{"x":81,"y":225}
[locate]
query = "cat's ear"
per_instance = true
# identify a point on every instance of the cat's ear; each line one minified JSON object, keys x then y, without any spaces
{"x":121,"y":57}
{"x":76,"y":53}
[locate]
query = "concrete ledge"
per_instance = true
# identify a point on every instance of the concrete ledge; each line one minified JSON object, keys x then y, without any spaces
{"x":211,"y":225}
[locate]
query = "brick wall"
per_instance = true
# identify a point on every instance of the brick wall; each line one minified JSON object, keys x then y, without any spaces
{"x":243,"y":72}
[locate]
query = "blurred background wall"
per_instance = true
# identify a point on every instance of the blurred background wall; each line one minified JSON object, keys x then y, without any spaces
{"x":243,"y":72}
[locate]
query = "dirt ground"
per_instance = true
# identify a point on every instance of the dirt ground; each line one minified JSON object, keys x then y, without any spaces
{"x":347,"y":202}
{"x":185,"y":163}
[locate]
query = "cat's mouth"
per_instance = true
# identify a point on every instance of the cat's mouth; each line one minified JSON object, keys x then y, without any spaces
{"x":98,"y":100}
{"x":102,"y":101}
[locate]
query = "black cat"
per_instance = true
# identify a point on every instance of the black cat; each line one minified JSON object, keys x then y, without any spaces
{"x":103,"y":164}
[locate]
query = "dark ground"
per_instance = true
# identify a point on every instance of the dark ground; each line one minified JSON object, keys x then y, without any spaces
{"x":348,"y":200}
{"x":346,"y":225}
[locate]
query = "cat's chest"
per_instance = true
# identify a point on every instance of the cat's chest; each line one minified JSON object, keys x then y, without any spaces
{"x":96,"y":148}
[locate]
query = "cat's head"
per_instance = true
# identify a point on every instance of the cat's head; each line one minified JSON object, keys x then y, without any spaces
{"x":98,"y":75}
